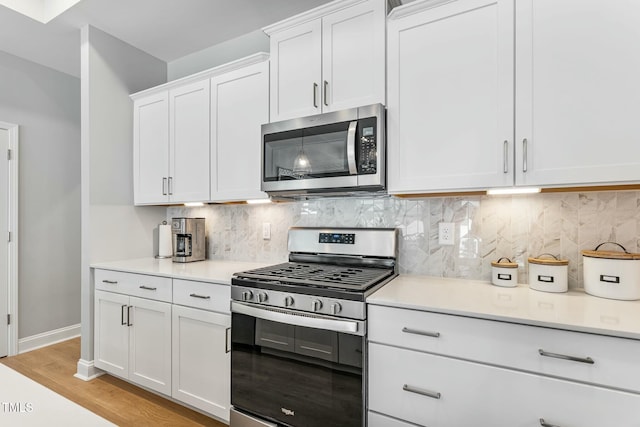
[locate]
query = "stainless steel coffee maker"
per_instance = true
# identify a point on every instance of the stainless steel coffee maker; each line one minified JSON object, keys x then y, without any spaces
{"x":188,"y":239}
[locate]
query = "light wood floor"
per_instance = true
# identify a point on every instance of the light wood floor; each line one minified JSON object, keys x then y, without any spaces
{"x":111,"y":398}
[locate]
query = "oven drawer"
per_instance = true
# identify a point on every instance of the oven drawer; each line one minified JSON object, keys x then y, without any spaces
{"x":435,"y":391}
{"x":139,"y":285}
{"x":574,"y":355}
{"x":207,"y":296}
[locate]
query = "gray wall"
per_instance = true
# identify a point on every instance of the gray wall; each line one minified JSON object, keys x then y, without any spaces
{"x":112,"y":227}
{"x":254,"y":42}
{"x":46,"y":105}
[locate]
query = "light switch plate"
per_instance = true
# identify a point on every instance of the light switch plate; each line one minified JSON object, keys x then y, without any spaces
{"x":266,"y":231}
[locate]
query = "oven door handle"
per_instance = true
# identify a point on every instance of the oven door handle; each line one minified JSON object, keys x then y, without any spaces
{"x":290,"y":317}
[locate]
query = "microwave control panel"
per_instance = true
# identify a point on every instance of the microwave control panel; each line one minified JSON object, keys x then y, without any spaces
{"x":368,"y":147}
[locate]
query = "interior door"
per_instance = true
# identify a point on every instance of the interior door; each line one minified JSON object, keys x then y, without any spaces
{"x":4,"y":267}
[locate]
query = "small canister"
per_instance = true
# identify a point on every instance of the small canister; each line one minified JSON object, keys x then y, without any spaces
{"x":504,"y":273}
{"x":611,"y":274}
{"x":548,"y":274}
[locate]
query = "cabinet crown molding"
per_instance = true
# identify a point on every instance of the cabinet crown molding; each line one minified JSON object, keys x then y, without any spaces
{"x":310,"y":15}
{"x":415,"y":7}
{"x":206,"y":74}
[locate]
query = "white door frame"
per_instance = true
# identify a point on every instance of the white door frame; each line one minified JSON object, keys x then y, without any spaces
{"x":12,"y":216}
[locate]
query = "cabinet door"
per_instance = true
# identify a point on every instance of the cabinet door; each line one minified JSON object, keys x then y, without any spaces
{"x":151,"y":149}
{"x":111,"y":333}
{"x":150,"y":344}
{"x":450,"y":97}
{"x":296,"y":71}
{"x":201,"y":364}
{"x":189,"y":143}
{"x":239,"y":106}
{"x":578,"y":92}
{"x":353,"y":56}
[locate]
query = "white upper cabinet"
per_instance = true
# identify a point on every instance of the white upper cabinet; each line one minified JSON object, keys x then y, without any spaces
{"x":239,"y":106}
{"x":151,"y":148}
{"x":328,"y":59}
{"x":450,"y":96}
{"x":486,"y":94}
{"x":577,"y":92}
{"x":171,"y":145}
{"x":189,"y":143}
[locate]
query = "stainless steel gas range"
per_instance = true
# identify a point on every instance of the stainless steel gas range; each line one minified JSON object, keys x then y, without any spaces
{"x":298,"y":329}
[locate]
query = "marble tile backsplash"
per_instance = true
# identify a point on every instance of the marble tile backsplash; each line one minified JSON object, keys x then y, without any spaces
{"x":486,"y":228}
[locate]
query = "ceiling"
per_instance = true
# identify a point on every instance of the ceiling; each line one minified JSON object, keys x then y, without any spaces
{"x":166,"y":29}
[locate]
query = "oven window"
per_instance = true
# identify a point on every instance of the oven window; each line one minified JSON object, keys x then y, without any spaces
{"x":295,"y":375}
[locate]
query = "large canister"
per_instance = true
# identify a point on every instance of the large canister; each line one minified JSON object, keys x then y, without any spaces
{"x":611,"y":274}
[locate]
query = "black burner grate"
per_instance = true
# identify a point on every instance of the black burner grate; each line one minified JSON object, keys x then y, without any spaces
{"x":324,"y":275}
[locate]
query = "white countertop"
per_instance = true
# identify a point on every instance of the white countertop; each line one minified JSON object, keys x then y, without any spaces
{"x":204,"y":271}
{"x":574,"y":310}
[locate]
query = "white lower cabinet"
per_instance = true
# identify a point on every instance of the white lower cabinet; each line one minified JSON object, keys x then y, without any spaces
{"x":133,"y":339}
{"x":422,"y":372}
{"x":169,"y":335}
{"x":201,"y":363}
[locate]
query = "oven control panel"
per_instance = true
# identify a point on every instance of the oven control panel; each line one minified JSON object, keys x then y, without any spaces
{"x":300,"y":302}
{"x":341,"y":238}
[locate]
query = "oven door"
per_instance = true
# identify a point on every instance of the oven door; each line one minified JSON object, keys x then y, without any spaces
{"x":297,"y":370}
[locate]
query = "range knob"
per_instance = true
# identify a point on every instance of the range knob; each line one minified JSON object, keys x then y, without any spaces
{"x":247,"y":295}
{"x":316,"y":305}
{"x":335,"y":308}
{"x":288,"y":301}
{"x":262,"y":296}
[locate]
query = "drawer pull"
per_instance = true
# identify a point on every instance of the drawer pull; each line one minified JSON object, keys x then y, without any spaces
{"x":428,"y":393}
{"x":588,"y":360}
{"x":110,"y":282}
{"x":543,"y":423}
{"x":418,"y":332}
{"x":200,"y":296}
{"x":148,"y":288}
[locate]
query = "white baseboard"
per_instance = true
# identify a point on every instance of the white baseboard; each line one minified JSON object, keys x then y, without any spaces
{"x":87,"y":370}
{"x":47,"y":338}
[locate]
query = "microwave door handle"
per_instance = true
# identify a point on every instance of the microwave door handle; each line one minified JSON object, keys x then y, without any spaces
{"x":351,"y":147}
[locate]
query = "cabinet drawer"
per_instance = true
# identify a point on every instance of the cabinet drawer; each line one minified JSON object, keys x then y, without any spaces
{"x":207,"y":296}
{"x":598,"y":359}
{"x":434,"y":390}
{"x":139,"y":285}
{"x":379,"y":420}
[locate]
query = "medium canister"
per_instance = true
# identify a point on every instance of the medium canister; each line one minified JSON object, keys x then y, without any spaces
{"x":548,"y":273}
{"x":611,"y":274}
{"x":504,"y":273}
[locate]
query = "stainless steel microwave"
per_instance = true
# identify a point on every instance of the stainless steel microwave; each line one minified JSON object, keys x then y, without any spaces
{"x":337,"y":152}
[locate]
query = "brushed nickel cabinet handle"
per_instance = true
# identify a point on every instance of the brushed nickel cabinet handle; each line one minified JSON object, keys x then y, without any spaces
{"x":324,"y":94}
{"x":543,"y":423}
{"x":129,"y":315}
{"x":164,"y":186}
{"x":227,"y":347}
{"x":110,"y":282}
{"x":170,"y":185}
{"x":505,"y":155}
{"x":419,"y":332}
{"x":524,"y":155}
{"x":122,"y":322}
{"x":421,"y":391}
{"x":148,"y":288}
{"x":200,"y":296}
{"x":315,"y":95}
{"x":587,"y":360}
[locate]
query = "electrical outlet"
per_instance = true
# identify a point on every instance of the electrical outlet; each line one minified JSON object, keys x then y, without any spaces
{"x":266,"y":231}
{"x":446,"y":233}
